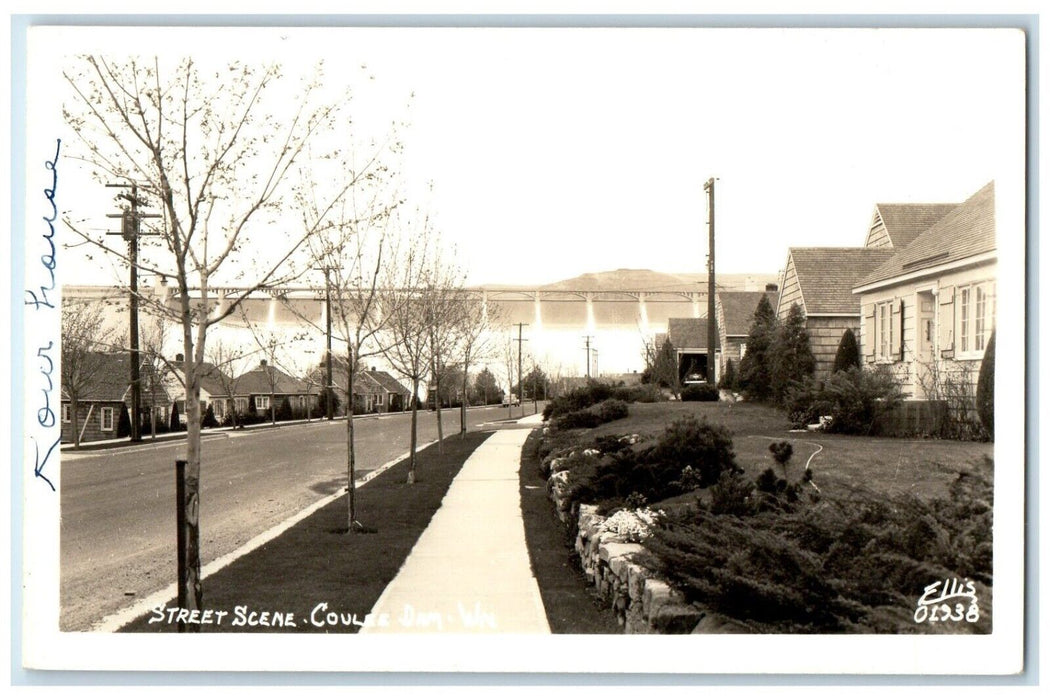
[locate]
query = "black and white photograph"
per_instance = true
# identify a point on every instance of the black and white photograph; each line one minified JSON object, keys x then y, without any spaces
{"x":600,"y":349}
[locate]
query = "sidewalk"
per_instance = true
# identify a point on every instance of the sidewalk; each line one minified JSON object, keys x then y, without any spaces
{"x":469,"y":572}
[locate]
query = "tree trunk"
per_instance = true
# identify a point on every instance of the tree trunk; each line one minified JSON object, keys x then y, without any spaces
{"x":463,"y":401}
{"x":351,"y":487}
{"x":74,"y":408}
{"x":191,"y":556}
{"x":437,"y":402}
{"x":412,"y":442}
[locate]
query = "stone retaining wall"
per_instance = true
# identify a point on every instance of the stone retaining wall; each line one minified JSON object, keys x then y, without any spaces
{"x":643,"y":603}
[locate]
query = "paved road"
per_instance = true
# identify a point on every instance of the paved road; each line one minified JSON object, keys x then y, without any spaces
{"x":118,"y":513}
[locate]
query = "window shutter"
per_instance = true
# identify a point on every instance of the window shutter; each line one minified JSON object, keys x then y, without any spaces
{"x":900,"y":333}
{"x":868,"y":337}
{"x":895,"y":335}
{"x":946,"y":322}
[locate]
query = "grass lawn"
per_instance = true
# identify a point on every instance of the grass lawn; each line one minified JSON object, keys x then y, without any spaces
{"x":313,"y":562}
{"x":570,"y":603}
{"x":842,"y":463}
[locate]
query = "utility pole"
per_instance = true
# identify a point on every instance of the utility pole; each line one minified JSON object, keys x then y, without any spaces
{"x":712,"y":336}
{"x":130,"y":231}
{"x":521,"y":383}
{"x":588,"y":348}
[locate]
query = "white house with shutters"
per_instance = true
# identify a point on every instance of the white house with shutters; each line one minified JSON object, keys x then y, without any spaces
{"x":929,"y":311}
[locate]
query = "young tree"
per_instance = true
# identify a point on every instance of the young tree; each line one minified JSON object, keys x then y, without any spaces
{"x":475,"y":340}
{"x":754,"y":375}
{"x":357,"y":253}
{"x":84,"y":338}
{"x":445,"y":308}
{"x":212,"y":147}
{"x":848,"y":353}
{"x":226,"y":358}
{"x":407,"y":329}
{"x":791,"y":359}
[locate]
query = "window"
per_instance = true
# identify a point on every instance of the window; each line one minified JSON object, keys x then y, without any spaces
{"x":241,"y":404}
{"x":65,"y":413}
{"x":262,"y":403}
{"x":218,"y":406}
{"x":883,"y":330}
{"x":976,"y":317}
{"x":106,"y":418}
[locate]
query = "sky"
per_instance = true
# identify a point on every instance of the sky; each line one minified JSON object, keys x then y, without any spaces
{"x":542,"y":154}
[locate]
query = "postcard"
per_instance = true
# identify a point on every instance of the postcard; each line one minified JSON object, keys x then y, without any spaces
{"x":665,"y":349}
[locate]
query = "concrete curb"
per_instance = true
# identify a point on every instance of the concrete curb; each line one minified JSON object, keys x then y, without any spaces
{"x":114,"y":621}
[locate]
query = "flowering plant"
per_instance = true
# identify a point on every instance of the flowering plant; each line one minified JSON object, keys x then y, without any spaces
{"x":631,"y":525}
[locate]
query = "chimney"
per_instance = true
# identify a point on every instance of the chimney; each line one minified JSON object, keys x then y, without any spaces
{"x":373,"y":369}
{"x":262,"y":363}
{"x":180,"y":357}
{"x":771,"y":287}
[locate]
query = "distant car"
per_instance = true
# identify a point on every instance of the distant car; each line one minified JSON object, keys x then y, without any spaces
{"x":511,"y":400}
{"x":695,"y":378}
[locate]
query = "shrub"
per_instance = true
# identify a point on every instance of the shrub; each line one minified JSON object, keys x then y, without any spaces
{"x":857,"y":397}
{"x":805,"y":403}
{"x":209,"y":420}
{"x":605,"y":412}
{"x":284,"y":411}
{"x":123,"y":423}
{"x":639,"y":393}
{"x":732,"y":495}
{"x":577,"y":399}
{"x":174,"y":424}
{"x":986,"y":389}
{"x":848,"y":354}
{"x":856,"y":564}
{"x":728,"y":379}
{"x":700,"y":392}
{"x":696,"y":443}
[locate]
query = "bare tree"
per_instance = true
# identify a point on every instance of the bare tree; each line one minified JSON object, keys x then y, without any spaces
{"x":357,"y":253}
{"x":84,"y":340}
{"x":475,"y":341}
{"x":213,"y":147}
{"x":446,"y":306}
{"x":407,"y":328}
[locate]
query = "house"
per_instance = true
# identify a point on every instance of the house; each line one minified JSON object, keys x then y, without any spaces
{"x":263,"y":389}
{"x":735,"y":312}
{"x":103,"y":394}
{"x":369,"y":394}
{"x":214,"y":385}
{"x":821,"y":282}
{"x":394,"y":395}
{"x":688,"y":336}
{"x":929,"y":310}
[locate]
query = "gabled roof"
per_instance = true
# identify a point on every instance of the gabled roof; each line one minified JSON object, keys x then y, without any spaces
{"x":363,"y":382}
{"x":108,"y":379}
{"x":107,"y":376}
{"x":966,"y":231}
{"x":688,"y":333}
{"x":904,"y":222}
{"x":738,"y":310}
{"x":827,"y":276}
{"x":212,"y":379}
{"x":257,"y":381}
{"x":385,"y":380}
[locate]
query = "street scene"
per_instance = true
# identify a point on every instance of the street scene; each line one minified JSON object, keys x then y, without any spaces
{"x":353,"y":341}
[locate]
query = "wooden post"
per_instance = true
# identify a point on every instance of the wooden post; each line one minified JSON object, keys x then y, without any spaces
{"x":187,"y":541}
